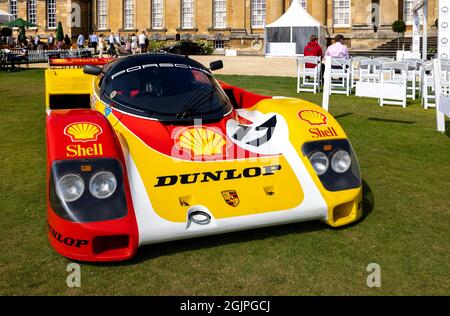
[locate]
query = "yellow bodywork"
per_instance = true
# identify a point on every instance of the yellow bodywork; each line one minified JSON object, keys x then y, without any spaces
{"x":66,"y":81}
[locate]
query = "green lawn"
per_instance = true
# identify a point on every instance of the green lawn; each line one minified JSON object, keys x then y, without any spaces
{"x":405,"y":164}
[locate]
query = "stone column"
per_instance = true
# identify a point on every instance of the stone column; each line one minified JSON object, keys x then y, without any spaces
{"x":274,"y":9}
{"x":389,"y":12}
{"x":318,"y":9}
{"x":142,"y":15}
{"x":361,"y":13}
{"x":115,"y":15}
{"x":172,"y":16}
{"x":203,"y":16}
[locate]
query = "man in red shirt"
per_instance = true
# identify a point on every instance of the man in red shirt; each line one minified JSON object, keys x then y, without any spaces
{"x":313,"y":49}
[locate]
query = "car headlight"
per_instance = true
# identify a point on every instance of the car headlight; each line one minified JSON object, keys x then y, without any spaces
{"x":70,"y":187}
{"x":103,"y":184}
{"x":341,"y":161}
{"x":320,"y":162}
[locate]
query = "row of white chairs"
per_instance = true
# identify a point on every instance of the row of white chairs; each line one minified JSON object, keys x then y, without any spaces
{"x":414,"y":74}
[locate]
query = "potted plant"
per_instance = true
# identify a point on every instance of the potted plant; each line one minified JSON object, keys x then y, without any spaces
{"x":399,"y":27}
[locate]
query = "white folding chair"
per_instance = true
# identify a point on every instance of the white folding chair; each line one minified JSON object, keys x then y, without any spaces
{"x":308,"y":79}
{"x":340,"y":76}
{"x":370,"y":71}
{"x":413,"y":72}
{"x":355,"y":70}
{"x":396,"y":72}
{"x":384,"y":59}
{"x":427,"y":85}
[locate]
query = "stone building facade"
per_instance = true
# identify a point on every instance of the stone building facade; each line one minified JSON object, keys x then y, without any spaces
{"x":230,"y":23}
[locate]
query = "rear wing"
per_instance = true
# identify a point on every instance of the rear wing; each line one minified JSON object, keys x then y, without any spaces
{"x":77,"y":62}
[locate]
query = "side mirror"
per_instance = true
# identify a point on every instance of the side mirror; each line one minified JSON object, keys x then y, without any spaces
{"x":216,"y":65}
{"x":92,"y":70}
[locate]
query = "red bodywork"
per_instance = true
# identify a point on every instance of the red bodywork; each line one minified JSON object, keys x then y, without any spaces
{"x":111,"y":240}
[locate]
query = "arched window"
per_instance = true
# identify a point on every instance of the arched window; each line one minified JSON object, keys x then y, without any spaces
{"x":341,"y":12}
{"x":258,"y":13}
{"x":187,"y":14}
{"x":157,"y":14}
{"x":102,"y":14}
{"x":128,"y":14}
{"x":13,"y":8}
{"x":32,"y":11}
{"x":219,"y":14}
{"x":51,"y":14}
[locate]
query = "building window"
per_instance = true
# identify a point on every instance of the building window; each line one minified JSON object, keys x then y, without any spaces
{"x":157,"y":14}
{"x":220,"y":14}
{"x":32,"y":11}
{"x":258,"y":13}
{"x":102,"y":13}
{"x":13,"y":8}
{"x":341,"y":12}
{"x":51,"y":14}
{"x":219,"y":44}
{"x":128,"y":14}
{"x":303,"y":3}
{"x":187,"y":14}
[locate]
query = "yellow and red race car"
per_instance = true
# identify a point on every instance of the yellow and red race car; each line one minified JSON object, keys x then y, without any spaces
{"x":152,"y":148}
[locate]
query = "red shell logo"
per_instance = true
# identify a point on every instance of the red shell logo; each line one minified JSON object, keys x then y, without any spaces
{"x":313,"y":117}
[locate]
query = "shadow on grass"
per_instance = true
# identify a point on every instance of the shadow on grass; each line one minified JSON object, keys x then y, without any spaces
{"x":343,"y":115}
{"x":447,"y":129}
{"x":390,"y":121}
{"x":163,"y":249}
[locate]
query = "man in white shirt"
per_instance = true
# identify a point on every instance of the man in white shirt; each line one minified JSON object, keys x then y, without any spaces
{"x":80,"y":41}
{"x":112,"y":49}
{"x":142,"y":37}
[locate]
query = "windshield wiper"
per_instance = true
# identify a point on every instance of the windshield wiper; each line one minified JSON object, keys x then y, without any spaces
{"x":195,"y":101}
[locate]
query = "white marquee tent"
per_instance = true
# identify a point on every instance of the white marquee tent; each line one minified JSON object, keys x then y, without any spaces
{"x":5,"y":17}
{"x":288,"y":35}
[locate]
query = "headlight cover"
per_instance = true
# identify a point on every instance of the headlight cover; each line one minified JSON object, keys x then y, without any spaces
{"x":332,"y":180}
{"x":70,"y":187}
{"x":103,"y":176}
{"x":320,"y":162}
{"x":341,"y":161}
{"x":103,"y":184}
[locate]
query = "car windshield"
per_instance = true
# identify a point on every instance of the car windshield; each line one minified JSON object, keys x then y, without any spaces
{"x":166,"y":92}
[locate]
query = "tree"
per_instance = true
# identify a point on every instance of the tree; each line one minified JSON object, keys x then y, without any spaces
{"x":59,"y":32}
{"x":399,"y":27}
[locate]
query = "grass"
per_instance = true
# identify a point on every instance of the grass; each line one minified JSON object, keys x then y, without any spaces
{"x":405,"y":165}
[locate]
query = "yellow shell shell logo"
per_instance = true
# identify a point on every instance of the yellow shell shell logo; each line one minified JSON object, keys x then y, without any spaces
{"x":313,"y":117}
{"x":201,"y":141}
{"x":83,"y":132}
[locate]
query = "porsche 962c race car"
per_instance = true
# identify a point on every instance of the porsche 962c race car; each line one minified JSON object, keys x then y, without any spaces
{"x":152,"y":148}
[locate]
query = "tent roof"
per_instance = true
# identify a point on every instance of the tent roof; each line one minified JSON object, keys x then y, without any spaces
{"x":5,"y":16}
{"x":295,"y":16}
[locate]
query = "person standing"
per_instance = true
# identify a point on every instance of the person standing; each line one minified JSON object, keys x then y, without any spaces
{"x":338,"y":49}
{"x":37,"y":41}
{"x":141,"y":38}
{"x":134,"y":43}
{"x":93,"y":40}
{"x":118,"y":40}
{"x":50,"y":41}
{"x":67,"y":41}
{"x":112,"y":49}
{"x":101,"y":45}
{"x":80,"y":41}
